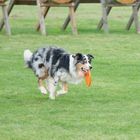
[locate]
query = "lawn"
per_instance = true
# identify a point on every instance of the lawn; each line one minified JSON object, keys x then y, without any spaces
{"x":108,"y":110}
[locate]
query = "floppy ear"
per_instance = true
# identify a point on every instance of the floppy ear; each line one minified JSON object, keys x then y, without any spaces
{"x":78,"y":56}
{"x":90,"y":56}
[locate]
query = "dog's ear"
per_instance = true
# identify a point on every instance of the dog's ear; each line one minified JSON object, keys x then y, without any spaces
{"x":90,"y":56}
{"x":78,"y":56}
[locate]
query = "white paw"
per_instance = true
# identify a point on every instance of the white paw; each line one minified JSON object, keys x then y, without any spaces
{"x":61,"y":92}
{"x":43,"y":90}
{"x":52,"y":97}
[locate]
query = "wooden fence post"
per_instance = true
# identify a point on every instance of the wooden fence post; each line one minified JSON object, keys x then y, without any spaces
{"x":72,"y":19}
{"x":41,"y":18}
{"x":136,"y":21}
{"x":5,"y":19}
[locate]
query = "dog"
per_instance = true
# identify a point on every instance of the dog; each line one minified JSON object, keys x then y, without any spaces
{"x":56,"y":66}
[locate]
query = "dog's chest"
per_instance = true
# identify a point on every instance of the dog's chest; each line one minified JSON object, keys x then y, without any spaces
{"x":67,"y":77}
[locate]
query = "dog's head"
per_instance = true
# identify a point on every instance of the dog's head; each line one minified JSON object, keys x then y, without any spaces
{"x":38,"y":67}
{"x":83,"y":62}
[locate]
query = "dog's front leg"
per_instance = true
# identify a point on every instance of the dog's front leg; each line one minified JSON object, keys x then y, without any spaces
{"x":41,"y":86}
{"x":51,"y":88}
{"x":64,"y":89}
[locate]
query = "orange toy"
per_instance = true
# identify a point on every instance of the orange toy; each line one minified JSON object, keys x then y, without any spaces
{"x":88,"y":78}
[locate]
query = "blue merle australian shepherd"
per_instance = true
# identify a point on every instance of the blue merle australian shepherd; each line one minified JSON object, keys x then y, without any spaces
{"x":55,"y":65}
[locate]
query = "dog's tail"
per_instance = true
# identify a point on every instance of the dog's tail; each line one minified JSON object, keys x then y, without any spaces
{"x":28,"y":57}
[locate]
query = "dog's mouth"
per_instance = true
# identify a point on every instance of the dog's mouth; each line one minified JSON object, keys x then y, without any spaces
{"x":84,"y":70}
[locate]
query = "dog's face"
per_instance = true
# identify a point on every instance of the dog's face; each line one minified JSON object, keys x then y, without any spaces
{"x":83,"y":62}
{"x":38,"y":67}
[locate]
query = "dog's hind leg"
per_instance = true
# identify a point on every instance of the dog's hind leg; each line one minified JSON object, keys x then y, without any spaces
{"x":41,"y":86}
{"x":64,"y":89}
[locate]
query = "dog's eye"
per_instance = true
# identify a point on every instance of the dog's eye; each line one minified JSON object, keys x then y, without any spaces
{"x":36,"y":59}
{"x":41,"y":65}
{"x":82,"y":62}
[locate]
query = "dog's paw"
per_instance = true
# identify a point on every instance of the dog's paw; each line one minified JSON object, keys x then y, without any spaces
{"x":61,"y":92}
{"x":43,"y":90}
{"x":52,"y":97}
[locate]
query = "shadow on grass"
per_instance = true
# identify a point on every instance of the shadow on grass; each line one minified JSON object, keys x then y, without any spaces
{"x":58,"y":31}
{"x":84,"y":31}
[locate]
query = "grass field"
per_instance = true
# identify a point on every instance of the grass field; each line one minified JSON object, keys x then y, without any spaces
{"x":109,"y":110}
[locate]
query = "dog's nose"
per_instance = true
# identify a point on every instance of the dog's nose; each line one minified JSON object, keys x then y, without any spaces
{"x":90,"y":67}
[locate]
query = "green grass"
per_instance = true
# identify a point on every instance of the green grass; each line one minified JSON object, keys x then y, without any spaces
{"x":109,"y":110}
